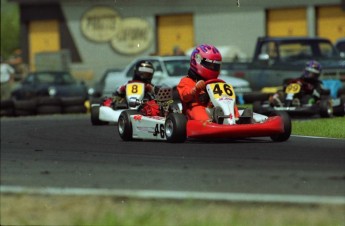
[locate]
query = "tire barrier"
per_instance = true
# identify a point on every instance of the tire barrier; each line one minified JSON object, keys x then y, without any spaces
{"x":6,"y":108}
{"x":73,"y":105}
{"x":43,"y":106}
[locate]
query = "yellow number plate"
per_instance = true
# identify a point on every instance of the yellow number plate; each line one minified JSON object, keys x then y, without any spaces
{"x":293,"y":88}
{"x":134,"y":88}
{"x":221,"y":89}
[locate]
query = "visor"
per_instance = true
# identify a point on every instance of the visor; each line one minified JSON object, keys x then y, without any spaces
{"x":145,"y":69}
{"x":312,"y":70}
{"x":311,"y":75}
{"x":213,"y":65}
{"x":145,"y":75}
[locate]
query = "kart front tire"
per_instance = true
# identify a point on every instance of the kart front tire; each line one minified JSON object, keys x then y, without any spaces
{"x":287,"y":127}
{"x":257,"y":108}
{"x":340,"y":110}
{"x":175,"y":128}
{"x":124,"y":125}
{"x":95,"y":116}
{"x":326,"y":108}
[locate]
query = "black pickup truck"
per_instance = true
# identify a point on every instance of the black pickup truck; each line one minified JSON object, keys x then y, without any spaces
{"x":277,"y":59}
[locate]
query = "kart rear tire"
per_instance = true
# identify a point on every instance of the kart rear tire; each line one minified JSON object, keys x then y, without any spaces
{"x":326,"y":109}
{"x":124,"y":125}
{"x":287,"y":127}
{"x":175,"y":128}
{"x":95,"y":116}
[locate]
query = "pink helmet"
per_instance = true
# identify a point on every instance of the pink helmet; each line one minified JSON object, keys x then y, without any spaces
{"x":205,"y":61}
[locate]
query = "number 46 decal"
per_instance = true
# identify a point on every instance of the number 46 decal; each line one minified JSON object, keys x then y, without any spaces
{"x":221,"y":89}
{"x":159,"y":129}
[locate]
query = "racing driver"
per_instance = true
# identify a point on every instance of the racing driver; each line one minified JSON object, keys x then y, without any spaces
{"x":143,"y":72}
{"x":205,"y":65}
{"x":309,"y":80}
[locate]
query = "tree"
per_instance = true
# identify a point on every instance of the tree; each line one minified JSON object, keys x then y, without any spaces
{"x":10,"y":28}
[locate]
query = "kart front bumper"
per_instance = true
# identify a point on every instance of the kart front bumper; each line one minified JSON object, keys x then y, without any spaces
{"x":202,"y":129}
{"x":301,"y":110}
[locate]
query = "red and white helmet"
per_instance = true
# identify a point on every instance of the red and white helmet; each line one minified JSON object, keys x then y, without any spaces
{"x":205,"y":61}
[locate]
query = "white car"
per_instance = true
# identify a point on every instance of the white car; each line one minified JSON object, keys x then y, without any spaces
{"x":168,"y":72}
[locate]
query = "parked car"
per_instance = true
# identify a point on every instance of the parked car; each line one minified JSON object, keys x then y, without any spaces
{"x":340,"y":46}
{"x":96,"y":89}
{"x":168,"y":72}
{"x":276,"y":59}
{"x":49,"y":92}
{"x":49,"y":83}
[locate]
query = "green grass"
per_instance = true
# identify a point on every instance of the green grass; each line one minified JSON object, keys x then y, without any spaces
{"x":329,"y":127}
{"x":117,"y":211}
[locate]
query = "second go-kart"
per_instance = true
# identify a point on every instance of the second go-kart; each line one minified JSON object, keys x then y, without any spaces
{"x":109,"y":111}
{"x":173,"y":126}
{"x":295,"y":102}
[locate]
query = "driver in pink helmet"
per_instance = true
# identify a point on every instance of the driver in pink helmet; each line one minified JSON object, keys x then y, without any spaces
{"x":205,"y":64}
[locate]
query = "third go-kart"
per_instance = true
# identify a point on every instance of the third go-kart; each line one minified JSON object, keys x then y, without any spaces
{"x":296,"y":102}
{"x":109,"y":111}
{"x":173,"y":126}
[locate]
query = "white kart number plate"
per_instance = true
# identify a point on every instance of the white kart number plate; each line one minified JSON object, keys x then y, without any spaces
{"x":220,"y":89}
{"x":289,"y":96}
{"x":134,"y":88}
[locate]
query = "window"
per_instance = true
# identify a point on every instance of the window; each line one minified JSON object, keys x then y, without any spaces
{"x":177,"y":67}
{"x":45,"y":78}
{"x":270,"y":48}
{"x":295,"y":51}
{"x":326,"y":50}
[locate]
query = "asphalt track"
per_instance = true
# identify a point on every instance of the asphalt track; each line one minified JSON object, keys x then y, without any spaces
{"x":65,"y":152}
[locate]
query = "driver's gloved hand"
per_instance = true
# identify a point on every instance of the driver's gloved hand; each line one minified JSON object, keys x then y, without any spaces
{"x":203,"y":98}
{"x":149,"y":88}
{"x":316,"y":93}
{"x":118,"y":99}
{"x":199,"y":86}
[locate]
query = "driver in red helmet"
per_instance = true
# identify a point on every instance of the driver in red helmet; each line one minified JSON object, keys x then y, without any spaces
{"x":205,"y":65}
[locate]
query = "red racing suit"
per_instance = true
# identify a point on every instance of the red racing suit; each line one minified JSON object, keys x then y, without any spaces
{"x":193,"y":106}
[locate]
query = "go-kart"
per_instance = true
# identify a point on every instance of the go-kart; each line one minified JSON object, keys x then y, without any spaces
{"x":296,"y":102}
{"x":109,"y":111}
{"x":173,"y":126}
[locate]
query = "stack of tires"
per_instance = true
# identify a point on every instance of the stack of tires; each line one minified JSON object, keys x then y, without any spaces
{"x":6,"y":108}
{"x":73,"y":105}
{"x":24,"y":107}
{"x":43,"y":106}
{"x":48,"y":106}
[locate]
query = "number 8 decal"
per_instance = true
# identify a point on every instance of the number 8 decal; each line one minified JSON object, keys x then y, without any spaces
{"x":134,"y":89}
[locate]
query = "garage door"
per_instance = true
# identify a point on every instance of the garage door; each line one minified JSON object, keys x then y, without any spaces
{"x":43,"y":37}
{"x":331,"y":22}
{"x":287,"y":22}
{"x":174,"y":30}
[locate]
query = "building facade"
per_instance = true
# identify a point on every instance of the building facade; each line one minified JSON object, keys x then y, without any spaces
{"x":94,"y":35}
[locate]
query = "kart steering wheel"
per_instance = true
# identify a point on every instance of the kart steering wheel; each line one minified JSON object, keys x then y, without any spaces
{"x":213,"y":81}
